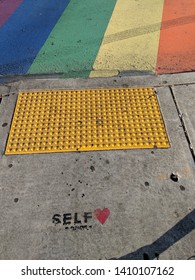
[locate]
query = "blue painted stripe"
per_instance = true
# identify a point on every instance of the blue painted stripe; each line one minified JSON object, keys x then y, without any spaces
{"x":23,"y":35}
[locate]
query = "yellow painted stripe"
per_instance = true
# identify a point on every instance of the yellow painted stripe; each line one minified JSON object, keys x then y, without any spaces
{"x":132,"y":37}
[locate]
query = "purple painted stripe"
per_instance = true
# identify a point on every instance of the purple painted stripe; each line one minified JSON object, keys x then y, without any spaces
{"x":7,"y":8}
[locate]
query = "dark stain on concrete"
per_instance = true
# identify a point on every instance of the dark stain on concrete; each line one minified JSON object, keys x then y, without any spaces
{"x":182,"y":188}
{"x":92,"y":168}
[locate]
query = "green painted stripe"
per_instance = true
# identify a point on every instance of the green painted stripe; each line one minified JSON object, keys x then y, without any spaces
{"x":73,"y":44}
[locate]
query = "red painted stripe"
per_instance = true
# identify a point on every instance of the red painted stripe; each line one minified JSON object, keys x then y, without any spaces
{"x":177,"y":38}
{"x":7,"y":8}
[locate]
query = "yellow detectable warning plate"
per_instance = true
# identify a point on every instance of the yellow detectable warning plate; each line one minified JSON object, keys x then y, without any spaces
{"x":86,"y":120}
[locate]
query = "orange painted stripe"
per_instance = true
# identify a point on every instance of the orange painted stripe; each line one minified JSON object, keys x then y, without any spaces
{"x":177,"y":38}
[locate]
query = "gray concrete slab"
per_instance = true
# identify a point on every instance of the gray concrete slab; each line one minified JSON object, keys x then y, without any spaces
{"x":27,"y":83}
{"x":185,"y":98}
{"x":150,"y":214}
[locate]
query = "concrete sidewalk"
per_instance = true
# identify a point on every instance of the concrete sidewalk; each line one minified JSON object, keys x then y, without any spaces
{"x":126,"y":204}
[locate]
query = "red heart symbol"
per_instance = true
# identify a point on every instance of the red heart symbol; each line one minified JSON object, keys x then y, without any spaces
{"x":102,"y":215}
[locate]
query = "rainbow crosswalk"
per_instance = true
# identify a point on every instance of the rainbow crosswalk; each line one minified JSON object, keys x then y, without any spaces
{"x":96,"y":38}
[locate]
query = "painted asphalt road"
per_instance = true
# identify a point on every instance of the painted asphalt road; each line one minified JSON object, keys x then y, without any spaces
{"x":25,"y":32}
{"x":96,"y":38}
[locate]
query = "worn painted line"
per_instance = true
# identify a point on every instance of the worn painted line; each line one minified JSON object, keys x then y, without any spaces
{"x":132,"y":36}
{"x":7,"y":8}
{"x":73,"y":44}
{"x":25,"y":32}
{"x":177,"y":44}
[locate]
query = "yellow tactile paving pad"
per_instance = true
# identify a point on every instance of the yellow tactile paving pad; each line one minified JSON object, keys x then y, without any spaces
{"x":84,"y":120}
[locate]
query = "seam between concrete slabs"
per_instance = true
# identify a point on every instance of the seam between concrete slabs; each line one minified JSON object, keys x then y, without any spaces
{"x":183,"y":123}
